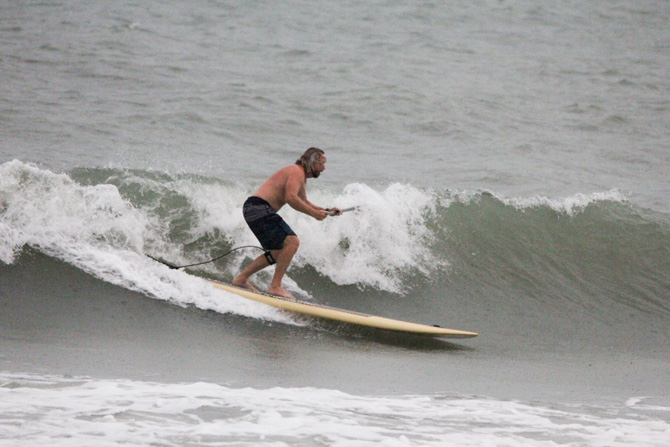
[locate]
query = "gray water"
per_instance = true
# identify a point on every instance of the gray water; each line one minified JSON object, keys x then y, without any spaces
{"x":511,"y":161}
{"x":518,"y":97}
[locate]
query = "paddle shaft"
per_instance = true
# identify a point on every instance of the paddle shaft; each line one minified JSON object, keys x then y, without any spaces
{"x":345,"y":210}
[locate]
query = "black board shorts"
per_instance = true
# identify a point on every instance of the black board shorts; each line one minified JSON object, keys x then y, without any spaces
{"x":268,"y":226}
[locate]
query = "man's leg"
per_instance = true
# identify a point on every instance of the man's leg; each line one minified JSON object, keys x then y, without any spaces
{"x":258,"y":264}
{"x":283,"y":258}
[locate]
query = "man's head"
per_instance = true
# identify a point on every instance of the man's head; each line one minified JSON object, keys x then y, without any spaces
{"x":313,"y":160}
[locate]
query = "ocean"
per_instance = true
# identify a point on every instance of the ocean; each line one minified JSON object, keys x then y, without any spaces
{"x":510,"y":161}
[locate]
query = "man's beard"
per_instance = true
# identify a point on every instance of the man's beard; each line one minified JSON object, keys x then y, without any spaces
{"x":315,"y":174}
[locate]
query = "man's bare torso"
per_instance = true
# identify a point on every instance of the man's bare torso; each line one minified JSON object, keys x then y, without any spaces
{"x":276,"y":189}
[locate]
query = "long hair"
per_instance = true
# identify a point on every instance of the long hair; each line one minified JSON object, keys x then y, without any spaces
{"x":310,"y":158}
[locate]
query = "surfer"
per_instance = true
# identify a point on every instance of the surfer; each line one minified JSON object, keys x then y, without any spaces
{"x":260,"y":212}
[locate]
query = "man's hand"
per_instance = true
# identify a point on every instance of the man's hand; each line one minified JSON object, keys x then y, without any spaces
{"x":320,"y":214}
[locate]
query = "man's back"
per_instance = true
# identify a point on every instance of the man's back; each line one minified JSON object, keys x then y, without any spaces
{"x":274,"y":190}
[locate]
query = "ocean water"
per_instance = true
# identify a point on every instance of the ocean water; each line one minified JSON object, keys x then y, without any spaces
{"x":511,"y":165}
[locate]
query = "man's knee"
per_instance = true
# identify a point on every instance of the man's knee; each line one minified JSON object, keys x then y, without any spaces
{"x":291,"y":242}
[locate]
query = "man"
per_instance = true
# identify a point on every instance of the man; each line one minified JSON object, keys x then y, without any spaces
{"x":260,"y":212}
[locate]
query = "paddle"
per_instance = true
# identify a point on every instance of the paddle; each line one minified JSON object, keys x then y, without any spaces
{"x":345,"y":210}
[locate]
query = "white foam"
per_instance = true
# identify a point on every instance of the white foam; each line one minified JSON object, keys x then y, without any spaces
{"x":569,"y":205}
{"x":219,"y":207}
{"x":51,"y":410}
{"x":95,"y":229}
{"x":373,"y":246}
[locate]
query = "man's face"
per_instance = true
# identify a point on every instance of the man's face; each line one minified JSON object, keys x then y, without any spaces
{"x":319,"y":167}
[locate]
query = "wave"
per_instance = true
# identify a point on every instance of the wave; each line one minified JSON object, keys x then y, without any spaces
{"x":95,"y":228}
{"x":586,"y":250}
{"x":81,"y":410}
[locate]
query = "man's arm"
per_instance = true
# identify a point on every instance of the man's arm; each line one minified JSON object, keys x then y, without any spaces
{"x":297,"y":198}
{"x":333,"y":211}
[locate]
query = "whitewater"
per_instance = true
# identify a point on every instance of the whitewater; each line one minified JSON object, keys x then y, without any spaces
{"x":510,"y":165}
{"x":118,"y":412}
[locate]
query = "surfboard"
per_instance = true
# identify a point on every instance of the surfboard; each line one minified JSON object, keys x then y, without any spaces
{"x":342,"y":315}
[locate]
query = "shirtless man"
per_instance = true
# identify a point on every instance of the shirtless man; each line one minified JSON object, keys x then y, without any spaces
{"x":260,"y":212}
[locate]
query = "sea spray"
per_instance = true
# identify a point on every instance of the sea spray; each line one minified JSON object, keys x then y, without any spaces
{"x":386,"y":239}
{"x":50,"y":210}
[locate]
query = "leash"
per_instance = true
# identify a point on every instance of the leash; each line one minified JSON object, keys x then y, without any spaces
{"x":177,"y":267}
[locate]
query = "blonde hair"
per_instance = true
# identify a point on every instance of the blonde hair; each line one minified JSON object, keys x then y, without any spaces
{"x":311,"y":157}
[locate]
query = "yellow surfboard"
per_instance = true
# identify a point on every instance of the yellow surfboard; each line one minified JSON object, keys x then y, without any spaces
{"x":346,"y":316}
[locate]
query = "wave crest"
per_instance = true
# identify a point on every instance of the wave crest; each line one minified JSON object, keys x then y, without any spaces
{"x":402,"y":239}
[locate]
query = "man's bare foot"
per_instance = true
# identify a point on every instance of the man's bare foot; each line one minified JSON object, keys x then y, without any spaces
{"x":243,"y":284}
{"x":278,"y":291}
